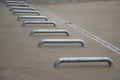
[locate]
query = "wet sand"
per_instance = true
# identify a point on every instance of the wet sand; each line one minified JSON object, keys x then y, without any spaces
{"x":21,"y":59}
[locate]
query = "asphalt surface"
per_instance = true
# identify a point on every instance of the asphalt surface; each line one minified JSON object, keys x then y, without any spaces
{"x":22,"y":59}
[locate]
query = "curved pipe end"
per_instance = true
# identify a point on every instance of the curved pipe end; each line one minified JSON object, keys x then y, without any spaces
{"x":38,"y":13}
{"x":13,"y":13}
{"x":31,"y":33}
{"x":57,"y":63}
{"x":54,"y":24}
{"x":110,"y":61}
{"x":40,"y":43}
{"x":67,"y":33}
{"x":83,"y":44}
{"x":24,"y":23}
{"x":18,"y":18}
{"x":10,"y":9}
{"x":46,"y":19}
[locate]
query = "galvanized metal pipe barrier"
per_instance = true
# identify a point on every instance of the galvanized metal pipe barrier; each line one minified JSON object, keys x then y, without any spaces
{"x":39,"y":22}
{"x":19,"y":2}
{"x":25,"y":11}
{"x":61,"y":41}
{"x":50,"y":31}
{"x":32,"y":17}
{"x":83,"y":59}
{"x":21,"y":8}
{"x":9,"y":4}
{"x":14,"y":4}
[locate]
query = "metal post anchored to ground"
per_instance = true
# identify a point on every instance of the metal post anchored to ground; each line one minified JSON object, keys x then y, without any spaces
{"x":21,"y":8}
{"x":32,"y":17}
{"x":50,"y":31}
{"x":61,"y":41}
{"x":25,"y":11}
{"x":39,"y":22}
{"x":83,"y":59}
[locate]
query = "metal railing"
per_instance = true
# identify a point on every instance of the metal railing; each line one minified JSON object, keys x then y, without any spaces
{"x":32,"y":17}
{"x":18,"y":2}
{"x":39,"y":22}
{"x":83,"y":59}
{"x":21,"y":8}
{"x":25,"y":11}
{"x":61,"y":41}
{"x":50,"y":31}
{"x":14,"y":4}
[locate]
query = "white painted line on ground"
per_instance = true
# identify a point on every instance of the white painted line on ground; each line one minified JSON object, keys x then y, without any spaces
{"x":101,"y":41}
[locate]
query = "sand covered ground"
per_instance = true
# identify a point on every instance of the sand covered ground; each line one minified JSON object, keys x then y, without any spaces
{"x":22,"y":59}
